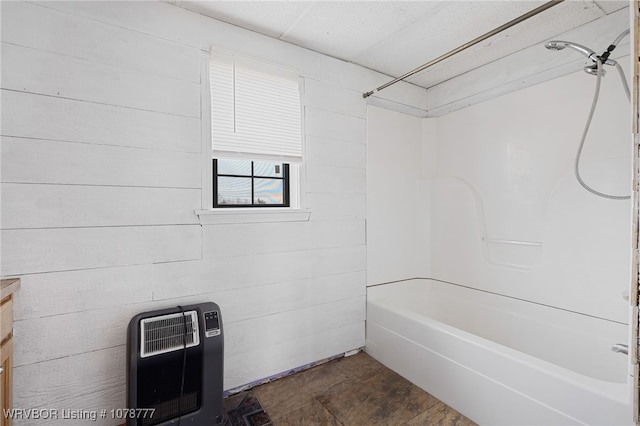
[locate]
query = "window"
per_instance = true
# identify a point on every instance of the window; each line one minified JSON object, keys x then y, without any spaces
{"x":244,"y":183}
{"x":256,"y":133}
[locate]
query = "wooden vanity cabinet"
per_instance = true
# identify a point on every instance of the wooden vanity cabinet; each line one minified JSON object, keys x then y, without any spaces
{"x":7,"y":288}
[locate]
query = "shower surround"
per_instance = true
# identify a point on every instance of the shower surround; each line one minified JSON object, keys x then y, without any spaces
{"x":485,"y":198}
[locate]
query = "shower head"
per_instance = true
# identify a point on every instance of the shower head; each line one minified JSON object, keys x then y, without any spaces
{"x":555,"y":45}
{"x":589,"y":69}
{"x":559,"y":45}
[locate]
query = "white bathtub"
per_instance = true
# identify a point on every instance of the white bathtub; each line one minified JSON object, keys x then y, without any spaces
{"x":498,"y":360}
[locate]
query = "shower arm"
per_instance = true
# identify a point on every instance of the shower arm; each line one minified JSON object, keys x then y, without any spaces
{"x":467,"y":45}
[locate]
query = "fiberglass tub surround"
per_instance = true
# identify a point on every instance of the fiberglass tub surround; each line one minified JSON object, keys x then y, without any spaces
{"x":489,"y":198}
{"x":522,"y":264}
{"x":510,"y":217}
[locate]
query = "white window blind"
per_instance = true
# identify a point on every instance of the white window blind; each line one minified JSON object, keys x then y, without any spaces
{"x":255,"y":110}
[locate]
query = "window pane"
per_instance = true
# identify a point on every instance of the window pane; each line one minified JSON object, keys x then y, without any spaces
{"x":232,"y":190}
{"x":234,"y":167}
{"x":265,"y":169}
{"x":268,"y":191}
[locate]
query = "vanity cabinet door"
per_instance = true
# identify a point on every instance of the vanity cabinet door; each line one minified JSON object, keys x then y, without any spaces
{"x":6,"y":350}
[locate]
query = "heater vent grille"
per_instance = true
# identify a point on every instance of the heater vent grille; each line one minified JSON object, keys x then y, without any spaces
{"x":166,"y":333}
{"x":172,"y":408}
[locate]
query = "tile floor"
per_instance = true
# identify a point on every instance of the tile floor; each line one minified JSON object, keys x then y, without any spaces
{"x":353,"y":391}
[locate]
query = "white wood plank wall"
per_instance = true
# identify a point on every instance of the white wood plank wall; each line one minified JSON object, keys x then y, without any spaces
{"x":101,"y":177}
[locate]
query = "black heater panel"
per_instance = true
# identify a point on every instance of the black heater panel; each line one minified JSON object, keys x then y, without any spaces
{"x":175,"y":366}
{"x":160,"y":381}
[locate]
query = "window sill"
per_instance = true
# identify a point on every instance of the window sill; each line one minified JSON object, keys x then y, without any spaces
{"x":249,"y":215}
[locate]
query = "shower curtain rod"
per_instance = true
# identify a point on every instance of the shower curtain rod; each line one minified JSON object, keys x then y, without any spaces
{"x":477,"y":40}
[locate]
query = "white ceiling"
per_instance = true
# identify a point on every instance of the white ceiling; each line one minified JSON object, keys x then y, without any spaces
{"x":394,"y":37}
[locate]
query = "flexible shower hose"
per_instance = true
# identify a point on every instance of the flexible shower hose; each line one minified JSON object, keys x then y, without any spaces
{"x":586,"y":131}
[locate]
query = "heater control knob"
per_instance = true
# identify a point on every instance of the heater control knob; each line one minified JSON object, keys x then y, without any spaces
{"x":212,"y":324}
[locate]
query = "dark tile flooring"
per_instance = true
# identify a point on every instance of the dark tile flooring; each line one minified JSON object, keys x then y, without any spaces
{"x":352,"y":391}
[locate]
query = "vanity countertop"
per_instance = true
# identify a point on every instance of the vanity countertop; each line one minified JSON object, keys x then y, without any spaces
{"x":8,"y":286}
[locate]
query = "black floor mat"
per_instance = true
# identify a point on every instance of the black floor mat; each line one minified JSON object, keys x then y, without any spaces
{"x":243,"y":409}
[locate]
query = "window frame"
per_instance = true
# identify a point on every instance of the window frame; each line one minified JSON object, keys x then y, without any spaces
{"x":285,"y":187}
{"x":207,"y":215}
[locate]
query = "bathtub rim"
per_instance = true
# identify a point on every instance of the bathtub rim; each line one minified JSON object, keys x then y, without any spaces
{"x":377,"y":287}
